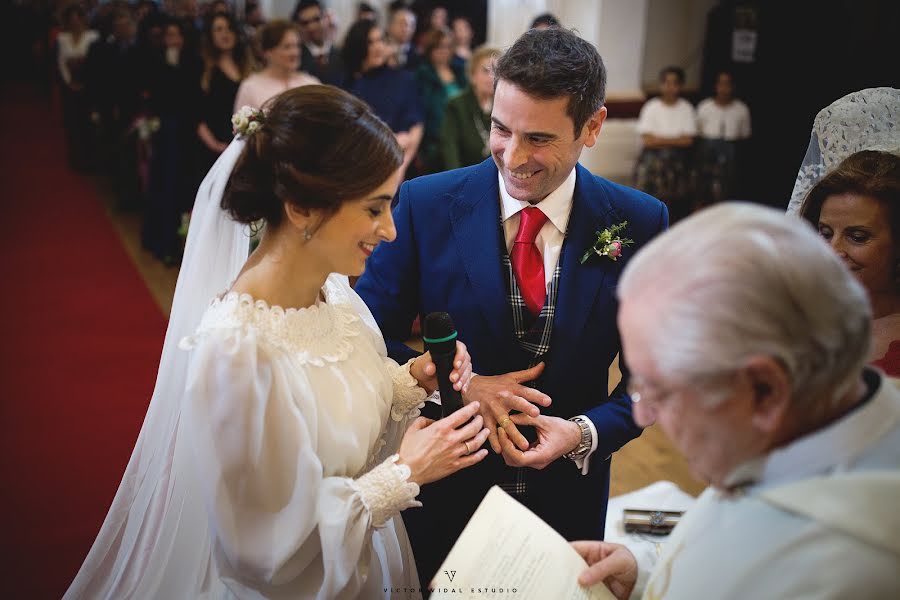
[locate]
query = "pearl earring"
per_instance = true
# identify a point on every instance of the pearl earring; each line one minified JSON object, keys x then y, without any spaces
{"x":306,"y":234}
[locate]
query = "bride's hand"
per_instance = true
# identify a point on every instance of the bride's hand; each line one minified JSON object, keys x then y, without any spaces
{"x":434,"y":449}
{"x":423,"y":369}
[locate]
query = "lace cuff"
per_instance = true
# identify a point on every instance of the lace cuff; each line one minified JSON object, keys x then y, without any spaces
{"x":385,"y":490}
{"x":408,"y":396}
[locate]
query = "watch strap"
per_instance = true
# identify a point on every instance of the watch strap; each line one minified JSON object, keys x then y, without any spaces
{"x":584,"y":446}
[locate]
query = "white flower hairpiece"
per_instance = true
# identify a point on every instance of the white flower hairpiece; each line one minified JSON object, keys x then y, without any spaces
{"x":247,"y":121}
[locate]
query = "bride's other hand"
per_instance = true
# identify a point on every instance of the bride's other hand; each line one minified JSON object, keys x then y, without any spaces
{"x":423,"y":369}
{"x":434,"y":449}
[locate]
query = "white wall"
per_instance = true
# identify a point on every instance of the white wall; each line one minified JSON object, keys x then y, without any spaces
{"x":276,"y":9}
{"x":675,"y":34}
{"x":620,"y":40}
{"x":616,"y":27}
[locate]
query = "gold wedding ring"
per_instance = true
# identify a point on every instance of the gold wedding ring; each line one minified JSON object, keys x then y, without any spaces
{"x":502,"y":424}
{"x":468,"y":452}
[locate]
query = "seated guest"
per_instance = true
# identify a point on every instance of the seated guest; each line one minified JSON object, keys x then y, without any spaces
{"x":723,"y":121}
{"x":439,"y":81}
{"x":465,"y":133}
{"x":667,"y":125}
{"x":280,"y":44}
{"x":318,"y":56}
{"x":863,"y":120}
{"x":856,"y":208}
{"x":747,"y":339}
{"x":390,"y":92}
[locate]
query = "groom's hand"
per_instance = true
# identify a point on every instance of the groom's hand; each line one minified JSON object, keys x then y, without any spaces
{"x":556,"y":436}
{"x":500,"y":394}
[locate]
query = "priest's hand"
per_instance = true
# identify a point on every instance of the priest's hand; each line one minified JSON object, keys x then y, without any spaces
{"x":612,"y":564}
{"x":555,"y":437}
{"x":500,"y":394}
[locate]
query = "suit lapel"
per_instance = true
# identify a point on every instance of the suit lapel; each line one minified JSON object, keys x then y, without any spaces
{"x":475,"y":222}
{"x":580,"y":283}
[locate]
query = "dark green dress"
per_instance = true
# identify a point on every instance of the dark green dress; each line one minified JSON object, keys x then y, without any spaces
{"x":464,"y":132}
{"x":435,"y":97}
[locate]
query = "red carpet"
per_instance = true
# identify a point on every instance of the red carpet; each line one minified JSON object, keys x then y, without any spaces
{"x":81,"y":338}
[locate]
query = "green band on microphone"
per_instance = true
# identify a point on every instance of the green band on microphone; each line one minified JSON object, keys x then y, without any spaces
{"x":452,"y":336}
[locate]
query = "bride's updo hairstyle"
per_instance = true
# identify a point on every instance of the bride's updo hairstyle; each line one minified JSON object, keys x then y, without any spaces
{"x":316,"y":148}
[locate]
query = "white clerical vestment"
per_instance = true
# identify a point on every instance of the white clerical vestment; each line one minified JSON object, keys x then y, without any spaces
{"x":817,"y":520}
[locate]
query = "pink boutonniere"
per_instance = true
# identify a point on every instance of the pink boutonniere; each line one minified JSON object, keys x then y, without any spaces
{"x":608,"y":243}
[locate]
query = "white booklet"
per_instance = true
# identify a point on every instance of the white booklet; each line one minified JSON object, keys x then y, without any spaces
{"x":508,"y":552}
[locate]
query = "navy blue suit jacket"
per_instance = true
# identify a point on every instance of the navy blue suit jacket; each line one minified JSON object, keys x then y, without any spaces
{"x":447,"y":257}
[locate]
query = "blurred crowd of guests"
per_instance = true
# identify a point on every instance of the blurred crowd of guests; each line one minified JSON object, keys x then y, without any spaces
{"x":148,"y":90}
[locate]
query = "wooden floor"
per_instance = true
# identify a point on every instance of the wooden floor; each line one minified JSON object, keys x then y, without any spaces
{"x":643,"y":461}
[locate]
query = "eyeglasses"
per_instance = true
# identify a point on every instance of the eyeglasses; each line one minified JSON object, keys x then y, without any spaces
{"x":641,"y":390}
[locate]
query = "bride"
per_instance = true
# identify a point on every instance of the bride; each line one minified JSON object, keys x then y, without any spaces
{"x":281,"y":443}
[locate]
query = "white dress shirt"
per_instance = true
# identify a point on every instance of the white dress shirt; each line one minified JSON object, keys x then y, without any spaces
{"x":549,"y":241}
{"x":550,"y":238}
{"x":317,"y":51}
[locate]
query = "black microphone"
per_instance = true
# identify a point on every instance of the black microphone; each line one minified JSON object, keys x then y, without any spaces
{"x":440,"y":340}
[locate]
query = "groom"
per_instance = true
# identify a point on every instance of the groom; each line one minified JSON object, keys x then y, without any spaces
{"x":499,"y":247}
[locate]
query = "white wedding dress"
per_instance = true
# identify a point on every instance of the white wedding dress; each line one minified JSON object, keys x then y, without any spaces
{"x":282,"y":469}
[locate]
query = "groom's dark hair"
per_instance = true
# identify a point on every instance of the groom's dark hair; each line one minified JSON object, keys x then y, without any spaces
{"x":555,"y":62}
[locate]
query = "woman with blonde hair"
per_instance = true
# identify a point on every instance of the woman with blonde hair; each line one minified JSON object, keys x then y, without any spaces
{"x":465,"y":133}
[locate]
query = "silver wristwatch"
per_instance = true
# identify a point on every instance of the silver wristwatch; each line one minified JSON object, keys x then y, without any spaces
{"x":584,"y":446}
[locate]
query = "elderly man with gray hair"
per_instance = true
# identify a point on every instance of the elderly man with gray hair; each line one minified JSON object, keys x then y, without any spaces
{"x":747,"y":341}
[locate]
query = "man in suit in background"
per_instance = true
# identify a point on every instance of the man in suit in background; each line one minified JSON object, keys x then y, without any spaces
{"x":499,"y":246}
{"x":400,"y":30}
{"x":318,"y":56}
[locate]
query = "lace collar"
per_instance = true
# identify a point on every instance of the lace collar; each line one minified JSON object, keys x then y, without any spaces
{"x":315,"y":335}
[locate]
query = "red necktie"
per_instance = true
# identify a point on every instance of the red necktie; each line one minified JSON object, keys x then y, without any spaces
{"x":526,"y":259}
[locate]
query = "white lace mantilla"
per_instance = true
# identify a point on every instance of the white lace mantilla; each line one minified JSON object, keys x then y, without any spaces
{"x":316,"y":335}
{"x":865,"y":120}
{"x":386,"y":490}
